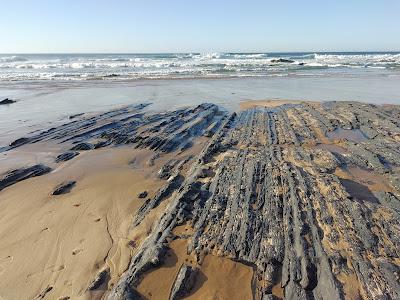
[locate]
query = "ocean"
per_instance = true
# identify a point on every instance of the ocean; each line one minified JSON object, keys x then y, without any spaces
{"x":26,"y":67}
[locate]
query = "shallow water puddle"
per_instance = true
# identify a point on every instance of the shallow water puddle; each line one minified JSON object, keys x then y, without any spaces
{"x":355,"y":135}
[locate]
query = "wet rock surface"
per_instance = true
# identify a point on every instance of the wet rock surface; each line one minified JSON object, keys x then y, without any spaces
{"x":66,"y":156}
{"x":183,"y":283}
{"x":64,"y":188}
{"x":82,"y":147}
{"x":99,"y":280}
{"x":142,"y":194}
{"x":7,"y":101}
{"x":273,"y":201}
{"x":17,"y":175}
{"x":306,"y":194}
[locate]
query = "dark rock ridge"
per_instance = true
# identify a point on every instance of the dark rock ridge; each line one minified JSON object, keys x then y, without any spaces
{"x":164,"y":132}
{"x":82,"y":147}
{"x":282,"y":60}
{"x":273,"y":202}
{"x":274,"y":188}
{"x":66,"y":156}
{"x":183,"y":283}
{"x":75,"y":116}
{"x":7,"y":101}
{"x":99,"y":280}
{"x":143,"y":194}
{"x":64,"y":188}
{"x":17,"y":175}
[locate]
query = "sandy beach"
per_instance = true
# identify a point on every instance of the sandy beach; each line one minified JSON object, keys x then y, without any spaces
{"x":213,"y":150}
{"x":200,"y":203}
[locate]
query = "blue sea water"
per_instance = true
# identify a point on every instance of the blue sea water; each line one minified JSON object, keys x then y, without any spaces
{"x":23,"y":67}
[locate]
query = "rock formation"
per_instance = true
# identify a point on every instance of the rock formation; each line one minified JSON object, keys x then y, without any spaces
{"x":306,"y":194}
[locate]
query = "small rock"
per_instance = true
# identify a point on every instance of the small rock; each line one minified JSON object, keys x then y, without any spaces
{"x":143,"y":195}
{"x":74,"y":116}
{"x":101,"y":144}
{"x":98,"y":280}
{"x":17,"y":175}
{"x":282,"y":60}
{"x":184,"y":282}
{"x":66,"y":156}
{"x":7,"y":101}
{"x":19,"y":142}
{"x":83,"y":146}
{"x":64,"y":188}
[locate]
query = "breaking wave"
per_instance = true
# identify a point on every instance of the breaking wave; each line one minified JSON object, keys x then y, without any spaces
{"x":186,"y":65}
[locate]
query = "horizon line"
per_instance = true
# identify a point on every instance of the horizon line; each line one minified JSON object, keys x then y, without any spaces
{"x":201,"y":52}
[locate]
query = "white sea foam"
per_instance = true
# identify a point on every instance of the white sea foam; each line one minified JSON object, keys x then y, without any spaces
{"x":188,"y":65}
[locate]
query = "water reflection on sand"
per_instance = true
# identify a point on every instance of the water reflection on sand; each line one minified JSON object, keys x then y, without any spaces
{"x":41,"y":103}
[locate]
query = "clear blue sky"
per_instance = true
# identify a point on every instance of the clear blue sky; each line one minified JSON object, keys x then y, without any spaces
{"x":204,"y":26}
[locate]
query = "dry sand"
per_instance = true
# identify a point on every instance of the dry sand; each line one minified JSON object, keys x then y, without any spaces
{"x":267,"y":103}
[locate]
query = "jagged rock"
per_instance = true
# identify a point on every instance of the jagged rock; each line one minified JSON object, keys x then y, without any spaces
{"x":143,"y":194}
{"x":74,"y":116}
{"x":183,"y":283}
{"x":82,"y":146}
{"x":101,"y":144}
{"x":64,"y":188}
{"x":66,"y":156}
{"x":166,"y":170}
{"x":99,"y":280}
{"x":282,"y":60}
{"x":275,"y":203}
{"x":7,"y":101}
{"x":15,"y":176}
{"x":44,"y":293}
{"x":20,"y":142}
{"x":274,"y":188}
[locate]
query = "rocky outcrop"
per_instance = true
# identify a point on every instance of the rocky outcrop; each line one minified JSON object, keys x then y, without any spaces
{"x":82,"y":147}
{"x":272,"y":200}
{"x":7,"y":101}
{"x":17,"y":175}
{"x":282,"y":60}
{"x":142,"y":194}
{"x":163,"y":132}
{"x":66,"y":156}
{"x":64,"y":188}
{"x":183,"y":283}
{"x":99,"y":280}
{"x":306,"y":194}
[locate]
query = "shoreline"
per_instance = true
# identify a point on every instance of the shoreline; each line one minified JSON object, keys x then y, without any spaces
{"x":69,"y":98}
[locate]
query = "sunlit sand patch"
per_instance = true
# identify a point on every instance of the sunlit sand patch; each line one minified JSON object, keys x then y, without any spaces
{"x":222,"y":278}
{"x":266,"y":103}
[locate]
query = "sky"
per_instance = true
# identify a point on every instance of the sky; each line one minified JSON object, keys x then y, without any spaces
{"x":132,"y":26}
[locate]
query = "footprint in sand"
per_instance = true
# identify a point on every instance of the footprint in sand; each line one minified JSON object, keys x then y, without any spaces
{"x":52,"y":269}
{"x":77,"y":251}
{"x":5,"y":263}
{"x":45,"y":229}
{"x":55,"y":268}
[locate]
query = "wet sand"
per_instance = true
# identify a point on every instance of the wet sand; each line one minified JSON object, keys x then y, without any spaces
{"x":62,"y":242}
{"x":60,"y":99}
